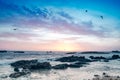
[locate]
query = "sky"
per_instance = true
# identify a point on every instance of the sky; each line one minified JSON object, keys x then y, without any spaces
{"x":60,"y":25}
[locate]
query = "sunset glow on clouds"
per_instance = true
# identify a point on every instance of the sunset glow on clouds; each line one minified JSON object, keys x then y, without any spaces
{"x":59,"y":25}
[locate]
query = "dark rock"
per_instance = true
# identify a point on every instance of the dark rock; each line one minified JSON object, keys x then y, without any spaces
{"x":98,"y":57}
{"x":26,"y":71}
{"x":18,"y":51}
{"x":60,"y":66}
{"x":115,"y":56}
{"x":75,"y":65}
{"x":16,"y":75}
{"x":80,"y":63}
{"x":31,"y":64}
{"x":106,"y":60}
{"x":94,"y":52}
{"x":71,"y":53}
{"x":116,"y":51}
{"x":73,"y":59}
{"x":44,"y":65}
{"x":3,"y":51}
{"x":96,"y":75}
{"x":24,"y":63}
{"x":16,"y":69}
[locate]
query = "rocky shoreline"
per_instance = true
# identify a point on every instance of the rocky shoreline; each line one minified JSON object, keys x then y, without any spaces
{"x":24,"y":67}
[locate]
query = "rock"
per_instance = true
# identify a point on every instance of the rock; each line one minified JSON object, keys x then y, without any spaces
{"x":18,"y":51}
{"x":106,"y":60}
{"x":3,"y":51}
{"x":73,"y":59}
{"x":75,"y":65}
{"x":24,"y":63}
{"x":97,"y":57}
{"x":71,"y":53}
{"x":26,"y":71}
{"x":44,"y":65}
{"x":116,"y":51}
{"x":115,"y":56}
{"x":16,"y":75}
{"x":96,"y":75}
{"x":16,"y":69}
{"x":30,"y":64}
{"x":60,"y":66}
{"x":80,"y":63}
{"x":94,"y":52}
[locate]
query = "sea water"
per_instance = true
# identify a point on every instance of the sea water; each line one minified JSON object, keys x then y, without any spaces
{"x":83,"y":73}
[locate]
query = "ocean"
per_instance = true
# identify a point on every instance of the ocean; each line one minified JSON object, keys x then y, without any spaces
{"x":83,"y":73}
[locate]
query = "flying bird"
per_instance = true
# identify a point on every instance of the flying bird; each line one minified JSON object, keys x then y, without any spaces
{"x":15,"y":29}
{"x":86,"y":10}
{"x":101,"y":17}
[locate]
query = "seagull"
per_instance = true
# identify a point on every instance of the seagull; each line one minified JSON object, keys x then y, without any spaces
{"x":101,"y":17}
{"x":86,"y":10}
{"x":15,"y":29}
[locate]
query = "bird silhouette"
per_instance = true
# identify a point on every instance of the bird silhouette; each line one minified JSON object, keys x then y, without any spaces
{"x":86,"y":10}
{"x":101,"y":17}
{"x":15,"y":29}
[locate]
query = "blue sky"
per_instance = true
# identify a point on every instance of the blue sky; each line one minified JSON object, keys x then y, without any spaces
{"x":38,"y":24}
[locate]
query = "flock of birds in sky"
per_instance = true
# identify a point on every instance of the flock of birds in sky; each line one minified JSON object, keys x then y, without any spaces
{"x":100,"y":16}
{"x":85,"y":11}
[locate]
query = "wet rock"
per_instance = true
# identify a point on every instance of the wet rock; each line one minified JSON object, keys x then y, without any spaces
{"x":60,"y":66}
{"x":97,"y":57}
{"x":30,"y":64}
{"x":75,"y":65}
{"x":94,"y":52}
{"x":73,"y":59}
{"x":26,"y":71}
{"x":24,"y":63}
{"x":17,"y":74}
{"x":80,"y":62}
{"x":115,"y":56}
{"x":3,"y":51}
{"x":105,"y":60}
{"x":16,"y":69}
{"x":44,"y":65}
{"x":71,"y":53}
{"x":18,"y":51}
{"x":116,"y":51}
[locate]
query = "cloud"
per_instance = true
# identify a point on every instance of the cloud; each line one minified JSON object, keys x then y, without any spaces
{"x":51,"y":20}
{"x":65,"y":15}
